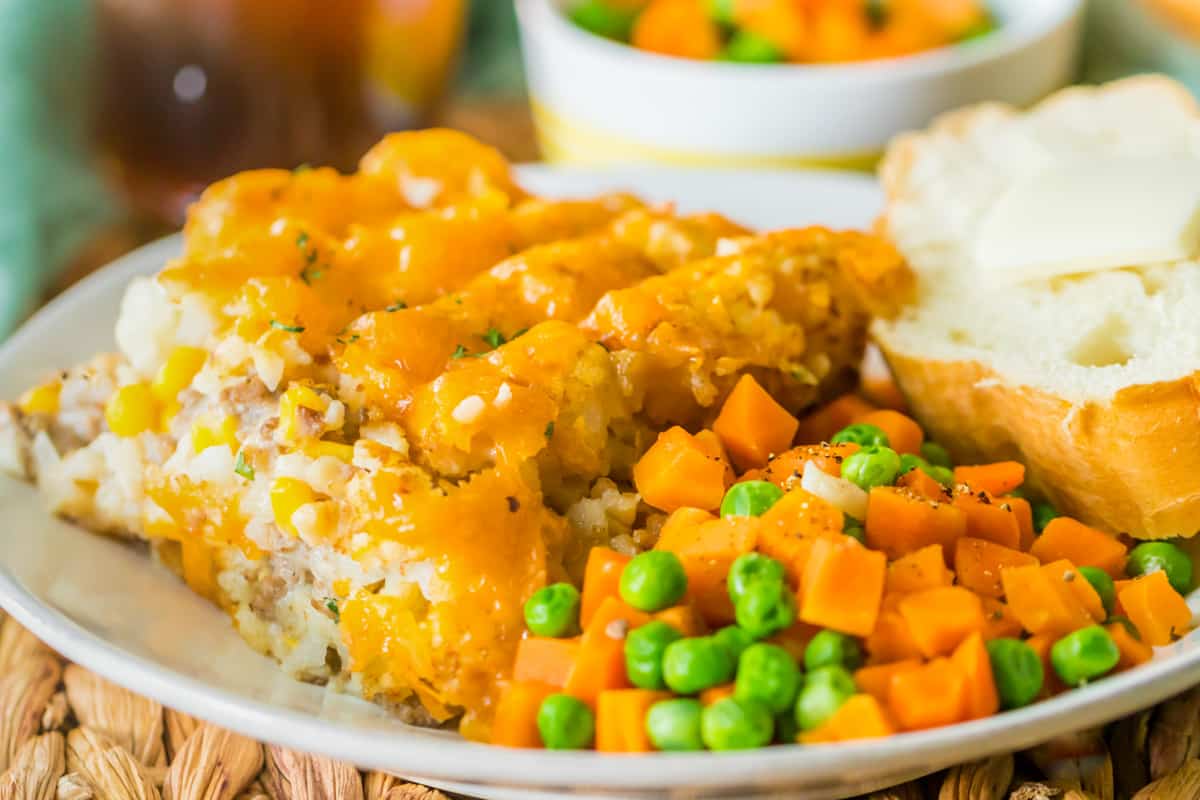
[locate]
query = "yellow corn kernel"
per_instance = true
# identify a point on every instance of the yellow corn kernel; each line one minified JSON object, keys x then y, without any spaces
{"x":206,"y":436}
{"x":342,"y":452}
{"x":287,"y":495}
{"x":341,"y":587}
{"x":131,"y":410}
{"x":177,"y":372}
{"x":167,"y":412}
{"x":41,"y":399}
{"x":290,"y":401}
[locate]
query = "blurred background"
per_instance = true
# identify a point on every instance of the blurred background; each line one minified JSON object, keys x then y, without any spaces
{"x":114,"y":114}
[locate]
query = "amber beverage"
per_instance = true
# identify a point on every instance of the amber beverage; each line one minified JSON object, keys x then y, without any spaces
{"x":193,"y":90}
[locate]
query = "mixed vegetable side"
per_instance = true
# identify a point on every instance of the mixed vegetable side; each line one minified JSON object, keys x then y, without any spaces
{"x":771,"y":31}
{"x":843,"y":590}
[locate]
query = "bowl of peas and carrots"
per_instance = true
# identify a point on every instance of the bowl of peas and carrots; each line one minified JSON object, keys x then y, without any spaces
{"x":853,"y":588}
{"x":777,"y":83}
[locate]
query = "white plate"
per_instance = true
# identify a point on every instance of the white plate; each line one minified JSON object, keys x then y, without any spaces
{"x":104,"y":605}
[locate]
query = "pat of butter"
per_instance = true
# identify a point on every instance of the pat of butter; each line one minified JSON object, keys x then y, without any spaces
{"x":1088,"y":216}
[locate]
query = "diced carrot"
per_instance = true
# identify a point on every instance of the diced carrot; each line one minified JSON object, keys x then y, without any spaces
{"x":708,"y":551}
{"x":919,"y":570}
{"x":613,"y":609}
{"x":972,"y":658}
{"x":987,"y":519}
{"x":933,"y":695}
{"x":715,"y":693}
{"x":1041,"y":644}
{"x":1001,"y":622}
{"x":515,"y":723}
{"x":783,"y":23}
{"x":891,"y":640}
{"x":621,"y":720}
{"x":786,"y":469}
{"x":903,"y":432}
{"x":1024,"y":512}
{"x":1133,"y":651}
{"x":922,"y":483}
{"x":996,"y":479}
{"x":1043,"y":604}
{"x":601,"y":579}
{"x":1081,"y":545}
{"x":710,"y":444}
{"x":752,"y":426}
{"x":545,"y":660}
{"x":683,"y":618}
{"x":842,"y":586}
{"x":878,"y":383}
{"x":600,"y":665}
{"x":1065,"y":572}
{"x":876,"y":680}
{"x":678,"y":471}
{"x":1155,"y":608}
{"x":822,"y":424}
{"x":860,"y":717}
{"x":789,"y":527}
{"x":978,"y":564}
{"x":941,"y":618}
{"x":680,"y":28}
{"x":900,"y":522}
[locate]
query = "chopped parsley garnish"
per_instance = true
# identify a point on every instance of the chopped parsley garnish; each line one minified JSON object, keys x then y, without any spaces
{"x":279,"y":326}
{"x":308,"y":276}
{"x":332,"y":605}
{"x":351,"y":340}
{"x":493,"y":337}
{"x":520,"y":332}
{"x":550,"y":429}
{"x":877,"y":13}
{"x":242,"y":468}
{"x":301,"y":168}
{"x":399,"y":305}
{"x":302,"y":240}
{"x":459,"y":352}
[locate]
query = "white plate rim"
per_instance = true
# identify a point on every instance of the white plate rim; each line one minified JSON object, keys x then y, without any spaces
{"x":469,"y":763}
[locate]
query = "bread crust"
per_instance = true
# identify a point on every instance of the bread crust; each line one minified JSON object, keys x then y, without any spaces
{"x":1129,"y":464}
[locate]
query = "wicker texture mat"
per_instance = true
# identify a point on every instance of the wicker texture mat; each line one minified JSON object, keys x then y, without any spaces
{"x":66,"y":733}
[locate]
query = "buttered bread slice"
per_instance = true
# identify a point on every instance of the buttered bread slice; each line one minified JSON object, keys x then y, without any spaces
{"x":1058,"y":320}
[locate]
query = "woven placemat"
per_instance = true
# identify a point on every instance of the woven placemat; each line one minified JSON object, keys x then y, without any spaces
{"x":66,"y":733}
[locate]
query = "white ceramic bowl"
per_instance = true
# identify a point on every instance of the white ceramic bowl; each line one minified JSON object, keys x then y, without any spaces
{"x":598,"y":101}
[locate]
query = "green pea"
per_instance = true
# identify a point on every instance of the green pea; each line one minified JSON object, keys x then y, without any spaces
{"x":1042,"y":514}
{"x":565,"y":723}
{"x":644,"y":648}
{"x":823,"y":693}
{"x":855,"y":532}
{"x":832,"y":649}
{"x":598,"y":17}
{"x":769,"y":675}
{"x":722,"y":11}
{"x":1150,"y":557}
{"x":750,"y":48}
{"x":1017,"y":671}
{"x":653,"y":580}
{"x":863,"y":434}
{"x":695,"y":664}
{"x":1084,"y":655}
{"x":936,"y":455}
{"x":553,"y":611}
{"x":750,"y":499}
{"x":732,"y":724}
{"x":1103,"y":585}
{"x":751,"y":568}
{"x":733,"y":639}
{"x":765,"y":608}
{"x":872,"y":466}
{"x":909,"y":462}
{"x":942,"y":475}
{"x":675,"y":724}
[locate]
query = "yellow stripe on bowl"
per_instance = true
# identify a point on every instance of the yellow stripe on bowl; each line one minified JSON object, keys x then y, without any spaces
{"x":566,"y":141}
